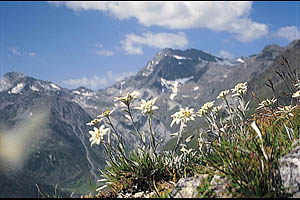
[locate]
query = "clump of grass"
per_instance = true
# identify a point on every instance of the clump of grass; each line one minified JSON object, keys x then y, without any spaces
{"x":247,"y":149}
{"x":143,"y":168}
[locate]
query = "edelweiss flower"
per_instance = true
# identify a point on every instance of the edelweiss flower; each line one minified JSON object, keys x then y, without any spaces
{"x":223,"y":94}
{"x":296,"y":94}
{"x":286,"y":109}
{"x":239,"y":89}
{"x":176,"y":118}
{"x":205,"y":108}
{"x":187,"y":114}
{"x":147,"y":107}
{"x":201,"y":112}
{"x":183,"y":116}
{"x":106,"y":113}
{"x":266,"y":103}
{"x":94,"y":122}
{"x":128,"y":98}
{"x":97,"y":134}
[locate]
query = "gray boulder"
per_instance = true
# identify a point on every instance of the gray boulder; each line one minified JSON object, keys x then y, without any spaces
{"x":187,"y":187}
{"x":289,"y":166}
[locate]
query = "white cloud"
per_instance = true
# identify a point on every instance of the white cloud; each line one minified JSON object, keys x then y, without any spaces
{"x":132,"y":44}
{"x":288,"y":32}
{"x":226,"y":54}
{"x":31,"y":54}
{"x":99,"y":45}
{"x":104,"y":52}
{"x":98,"y":82}
{"x":14,"y":51}
{"x":216,"y":16}
{"x":91,"y":83}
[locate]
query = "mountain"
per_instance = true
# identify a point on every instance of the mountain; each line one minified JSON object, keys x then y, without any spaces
{"x":60,"y":150}
{"x":292,"y":55}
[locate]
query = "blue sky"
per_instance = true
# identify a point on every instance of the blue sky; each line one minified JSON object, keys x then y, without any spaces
{"x":94,"y":44}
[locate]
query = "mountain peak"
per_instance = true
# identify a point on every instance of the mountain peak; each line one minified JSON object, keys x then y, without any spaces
{"x":294,"y":44}
{"x":14,"y":75}
{"x":270,"y":52}
{"x":272,"y":47}
{"x":192,"y":54}
{"x":9,"y":79}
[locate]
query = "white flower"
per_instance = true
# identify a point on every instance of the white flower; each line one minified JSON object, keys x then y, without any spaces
{"x":266,"y":103}
{"x":205,"y":108}
{"x":147,"y":107}
{"x":94,"y":122}
{"x":296,"y":94}
{"x":135,"y":94}
{"x":97,"y":134}
{"x":286,"y":109}
{"x":187,"y":114}
{"x":183,"y":115}
{"x":239,"y":89}
{"x":223,"y":94}
{"x":106,"y":113}
{"x":201,"y":112}
{"x":176,"y":118}
{"x":128,"y":98}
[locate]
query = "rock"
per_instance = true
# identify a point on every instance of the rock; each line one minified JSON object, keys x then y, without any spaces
{"x":289,"y":167}
{"x":221,"y":185}
{"x":138,"y":194}
{"x":148,"y":195}
{"x":187,"y":187}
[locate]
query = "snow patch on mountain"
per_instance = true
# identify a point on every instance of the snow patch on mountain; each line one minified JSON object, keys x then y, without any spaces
{"x":33,"y":88}
{"x":240,"y":60}
{"x":84,"y":93}
{"x":76,"y":92}
{"x":179,"y":57}
{"x":45,"y":86}
{"x":173,"y":85}
{"x":88,"y":94}
{"x":17,"y":89}
{"x":195,"y":88}
{"x":54,"y":86}
{"x":149,"y":68}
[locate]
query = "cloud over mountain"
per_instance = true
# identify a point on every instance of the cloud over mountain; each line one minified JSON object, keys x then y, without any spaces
{"x":97,"y":82}
{"x":133,"y":43}
{"x":288,"y":32}
{"x":231,"y":17}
